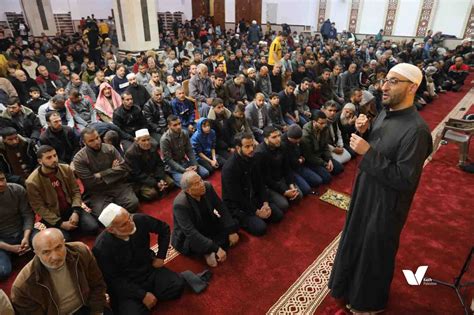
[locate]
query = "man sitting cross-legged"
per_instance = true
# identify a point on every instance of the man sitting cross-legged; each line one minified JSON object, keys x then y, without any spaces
{"x":16,"y":225}
{"x":243,"y":189}
{"x":136,"y":277}
{"x":104,"y":173}
{"x":147,"y":169}
{"x":202,"y":224}
{"x":55,"y":196}
{"x":177,"y":151}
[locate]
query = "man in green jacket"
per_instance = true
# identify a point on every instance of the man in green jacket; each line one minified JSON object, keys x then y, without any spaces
{"x":315,"y":147}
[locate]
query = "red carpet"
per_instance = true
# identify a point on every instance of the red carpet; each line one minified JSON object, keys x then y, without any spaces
{"x":259,"y":270}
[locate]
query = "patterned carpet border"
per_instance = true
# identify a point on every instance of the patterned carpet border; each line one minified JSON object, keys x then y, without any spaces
{"x":305,"y":295}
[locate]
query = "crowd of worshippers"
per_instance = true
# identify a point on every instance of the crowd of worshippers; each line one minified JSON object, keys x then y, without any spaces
{"x":84,"y":141}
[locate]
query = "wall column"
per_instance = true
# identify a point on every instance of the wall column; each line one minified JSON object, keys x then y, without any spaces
{"x":137,"y":25}
{"x":39,"y":16}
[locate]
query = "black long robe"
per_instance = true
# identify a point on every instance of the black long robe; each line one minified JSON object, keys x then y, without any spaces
{"x":388,"y":177}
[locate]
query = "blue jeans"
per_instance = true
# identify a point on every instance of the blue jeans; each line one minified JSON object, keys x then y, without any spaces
{"x":5,"y":256}
{"x":306,"y":179}
{"x":201,"y":170}
{"x":325,"y":174}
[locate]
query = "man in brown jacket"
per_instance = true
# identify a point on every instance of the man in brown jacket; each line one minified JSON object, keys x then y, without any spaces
{"x":55,"y":196}
{"x":63,"y":278}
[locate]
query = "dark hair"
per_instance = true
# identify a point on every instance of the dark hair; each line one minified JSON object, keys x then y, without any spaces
{"x":13,"y":100}
{"x":330,"y":103}
{"x":354,"y":90}
{"x":306,"y":79}
{"x":291,"y":83}
{"x":217,"y":101}
{"x":240,"y":107}
{"x":326,"y":70}
{"x":8,"y":131}
{"x":241,"y":136}
{"x":87,"y":131}
{"x":34,"y":89}
{"x":319,"y":115}
{"x":273,"y":95}
{"x":74,"y":93}
{"x":171,"y":118}
{"x":268,"y":130}
{"x":51,"y":113}
{"x":126,"y":93}
{"x":43,"y":149}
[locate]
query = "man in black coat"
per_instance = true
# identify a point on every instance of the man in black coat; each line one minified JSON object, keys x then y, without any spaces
{"x":25,"y":122}
{"x":202,"y":224}
{"x":139,"y":93}
{"x":129,"y":118}
{"x":17,"y":156}
{"x":243,"y":188}
{"x":62,"y":138}
{"x":135,"y":275}
{"x":274,"y":164}
{"x":156,"y":110}
{"x":148,"y":174}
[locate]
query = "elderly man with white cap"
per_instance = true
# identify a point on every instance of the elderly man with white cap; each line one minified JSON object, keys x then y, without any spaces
{"x":393,"y":151}
{"x":136,"y":277}
{"x":147,"y":168}
{"x":139,"y":92}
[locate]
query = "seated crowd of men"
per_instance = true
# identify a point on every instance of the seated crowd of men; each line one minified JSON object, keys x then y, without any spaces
{"x":277,"y":127}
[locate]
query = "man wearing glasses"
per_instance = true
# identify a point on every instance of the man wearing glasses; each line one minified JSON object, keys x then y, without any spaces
{"x":393,"y":149}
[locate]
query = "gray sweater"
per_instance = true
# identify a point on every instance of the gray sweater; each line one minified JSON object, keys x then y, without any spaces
{"x":15,"y":211}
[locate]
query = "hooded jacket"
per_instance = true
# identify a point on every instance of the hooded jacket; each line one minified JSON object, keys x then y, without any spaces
{"x":203,"y":142}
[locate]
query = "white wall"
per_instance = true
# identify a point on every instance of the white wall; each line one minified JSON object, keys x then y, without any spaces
{"x":83,"y":8}
{"x":9,"y":6}
{"x":184,"y":6}
{"x":300,"y":12}
{"x":407,"y":17}
{"x":230,"y":11}
{"x":338,"y":11}
{"x":451,"y":17}
{"x":372,"y":17}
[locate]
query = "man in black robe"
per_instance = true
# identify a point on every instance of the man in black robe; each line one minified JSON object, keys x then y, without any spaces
{"x":397,"y":145}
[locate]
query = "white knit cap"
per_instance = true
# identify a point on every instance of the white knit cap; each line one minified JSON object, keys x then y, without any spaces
{"x":131,"y":76}
{"x":409,"y":71}
{"x":109,"y":214}
{"x":141,"y":133}
{"x":350,"y":106}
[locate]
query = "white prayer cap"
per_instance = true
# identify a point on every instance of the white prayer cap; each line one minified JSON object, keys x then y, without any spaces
{"x":409,"y":71}
{"x":350,"y":106}
{"x":141,"y":133}
{"x":131,"y":76}
{"x":254,"y":22}
{"x":109,"y":214}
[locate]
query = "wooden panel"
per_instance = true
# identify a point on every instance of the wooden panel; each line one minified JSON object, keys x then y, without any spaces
{"x":200,"y":7}
{"x":248,"y":10}
{"x":219,"y":13}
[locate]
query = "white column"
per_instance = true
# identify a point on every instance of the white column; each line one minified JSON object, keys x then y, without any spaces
{"x":137,"y":24}
{"x":39,"y":16}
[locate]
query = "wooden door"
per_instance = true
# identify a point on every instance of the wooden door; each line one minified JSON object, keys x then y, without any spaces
{"x":248,"y":10}
{"x":219,"y":13}
{"x":200,"y":7}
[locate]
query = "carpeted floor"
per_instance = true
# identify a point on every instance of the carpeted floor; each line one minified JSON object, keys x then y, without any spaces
{"x":259,"y":270}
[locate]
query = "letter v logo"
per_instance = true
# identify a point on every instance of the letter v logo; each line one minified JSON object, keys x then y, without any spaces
{"x":417,"y":278}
